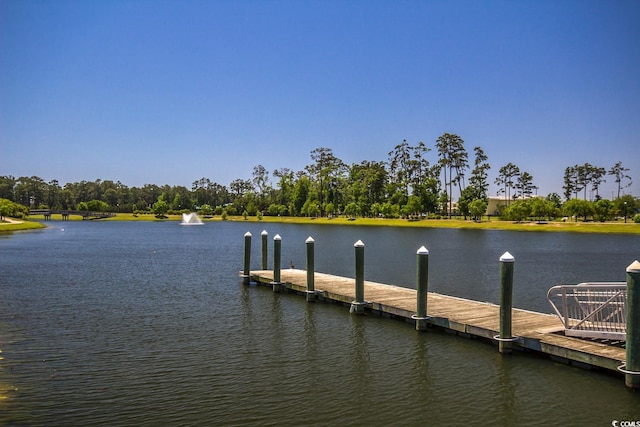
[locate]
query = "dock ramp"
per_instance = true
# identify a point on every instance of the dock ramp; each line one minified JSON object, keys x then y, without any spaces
{"x":591,"y":310}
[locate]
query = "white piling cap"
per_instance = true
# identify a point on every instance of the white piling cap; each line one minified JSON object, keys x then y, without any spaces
{"x":247,"y":234}
{"x":277,"y":237}
{"x":309,"y":240}
{"x":358,"y":244}
{"x":264,"y":233}
{"x":423,"y":251}
{"x":507,"y":257}
{"x":634,"y":267}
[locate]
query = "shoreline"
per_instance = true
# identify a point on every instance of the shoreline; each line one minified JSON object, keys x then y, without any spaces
{"x":495,"y":224}
{"x":8,"y":225}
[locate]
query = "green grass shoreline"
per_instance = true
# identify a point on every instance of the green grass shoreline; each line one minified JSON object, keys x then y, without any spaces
{"x":554,"y":226}
{"x":19,"y":225}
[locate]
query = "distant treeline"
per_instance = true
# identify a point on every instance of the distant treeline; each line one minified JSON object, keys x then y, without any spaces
{"x":414,"y":181}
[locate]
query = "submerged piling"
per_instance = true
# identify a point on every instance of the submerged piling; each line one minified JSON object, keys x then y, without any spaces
{"x":506,"y":302}
{"x":631,"y":368}
{"x":246,"y":271}
{"x":357,"y":306}
{"x":277,"y":243}
{"x":422,"y":276}
{"x":311,"y":291}
{"x":265,"y":250}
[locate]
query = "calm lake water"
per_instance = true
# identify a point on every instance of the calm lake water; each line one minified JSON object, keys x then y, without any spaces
{"x":119,"y":324}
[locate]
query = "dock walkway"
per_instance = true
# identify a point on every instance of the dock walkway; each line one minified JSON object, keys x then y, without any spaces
{"x":537,"y":332}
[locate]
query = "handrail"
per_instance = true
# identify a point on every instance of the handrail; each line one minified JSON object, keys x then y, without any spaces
{"x":591,"y":310}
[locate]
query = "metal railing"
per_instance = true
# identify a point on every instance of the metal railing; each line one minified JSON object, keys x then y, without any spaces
{"x":591,"y":310}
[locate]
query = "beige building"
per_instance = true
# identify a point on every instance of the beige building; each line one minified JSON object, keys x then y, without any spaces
{"x":496,"y":203}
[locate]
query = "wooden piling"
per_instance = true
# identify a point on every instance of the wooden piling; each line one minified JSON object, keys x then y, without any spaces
{"x":246,"y":272}
{"x":357,"y":306}
{"x":311,"y":292}
{"x":277,"y":283}
{"x":506,"y":302}
{"x":422,"y":275}
{"x":265,"y":250}
{"x":631,"y":368}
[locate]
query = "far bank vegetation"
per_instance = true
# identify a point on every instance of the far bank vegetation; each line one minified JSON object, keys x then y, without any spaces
{"x":415,"y":182}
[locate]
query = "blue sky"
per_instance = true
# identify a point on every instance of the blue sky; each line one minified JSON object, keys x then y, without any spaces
{"x":167,"y":92}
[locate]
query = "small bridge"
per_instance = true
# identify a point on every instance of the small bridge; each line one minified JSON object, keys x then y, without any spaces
{"x":66,"y":213}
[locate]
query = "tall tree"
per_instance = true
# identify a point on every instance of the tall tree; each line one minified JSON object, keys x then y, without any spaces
{"x":620,"y":174}
{"x":583,"y":175}
{"x":506,"y":177}
{"x":597,"y":178}
{"x":261,"y":183}
{"x":301,"y":194}
{"x":7,"y":185}
{"x":327,"y":169}
{"x":452,"y":156}
{"x":150,"y":194}
{"x":260,"y":178}
{"x":524,"y":184}
{"x":240,"y":186}
{"x":419,"y":165}
{"x":571,"y":186}
{"x":285,"y":186}
{"x":52,"y":194}
{"x":30,"y":191}
{"x":399,"y":170}
{"x":478,"y":179}
{"x":579,"y":177}
{"x":461,"y":164}
{"x":478,"y":185}
{"x":181,"y":199}
{"x":367,"y":182}
{"x":200,"y":191}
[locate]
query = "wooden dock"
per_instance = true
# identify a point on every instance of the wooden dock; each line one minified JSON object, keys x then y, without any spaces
{"x":536,"y":332}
